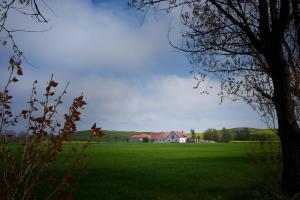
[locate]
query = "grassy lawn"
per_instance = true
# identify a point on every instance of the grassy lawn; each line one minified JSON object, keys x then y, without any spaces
{"x":169,"y":171}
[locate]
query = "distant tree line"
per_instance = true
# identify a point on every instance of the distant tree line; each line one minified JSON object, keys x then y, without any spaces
{"x":243,"y":134}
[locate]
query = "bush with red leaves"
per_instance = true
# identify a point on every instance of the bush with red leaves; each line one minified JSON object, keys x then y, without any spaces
{"x":24,"y":167}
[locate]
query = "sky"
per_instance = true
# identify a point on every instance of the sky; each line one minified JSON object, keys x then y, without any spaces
{"x":122,"y":62}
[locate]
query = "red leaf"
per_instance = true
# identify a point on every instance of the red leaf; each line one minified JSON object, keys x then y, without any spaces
{"x":19,"y":71}
{"x":96,"y":131}
{"x":14,"y":79}
{"x":53,"y":83}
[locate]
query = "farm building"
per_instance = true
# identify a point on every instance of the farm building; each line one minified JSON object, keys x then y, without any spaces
{"x":168,"y":137}
{"x":162,"y":137}
{"x":138,"y":138}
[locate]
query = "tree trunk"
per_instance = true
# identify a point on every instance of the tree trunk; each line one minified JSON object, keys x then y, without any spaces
{"x":290,"y":144}
{"x":288,"y":127}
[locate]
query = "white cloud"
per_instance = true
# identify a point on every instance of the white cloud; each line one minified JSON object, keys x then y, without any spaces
{"x":166,"y":102}
{"x":157,"y":103}
{"x":160,"y":103}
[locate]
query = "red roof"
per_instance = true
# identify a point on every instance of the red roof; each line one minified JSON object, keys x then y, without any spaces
{"x":180,"y":134}
{"x":155,"y":136}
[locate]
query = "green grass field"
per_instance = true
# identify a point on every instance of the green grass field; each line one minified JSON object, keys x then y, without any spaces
{"x":169,"y":171}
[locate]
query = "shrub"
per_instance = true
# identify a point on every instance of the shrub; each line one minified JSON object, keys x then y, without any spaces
{"x":226,"y":136}
{"x":211,"y":134}
{"x":24,"y":167}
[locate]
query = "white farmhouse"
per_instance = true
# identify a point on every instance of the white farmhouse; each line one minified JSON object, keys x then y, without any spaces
{"x":168,"y":137}
{"x":162,"y":137}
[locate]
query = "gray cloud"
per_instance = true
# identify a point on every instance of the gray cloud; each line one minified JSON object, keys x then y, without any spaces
{"x":82,"y":36}
{"x":85,"y":40}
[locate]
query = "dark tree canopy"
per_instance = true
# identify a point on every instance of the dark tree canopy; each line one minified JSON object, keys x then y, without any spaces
{"x":211,"y":134}
{"x":226,"y":136}
{"x":253,"y":48}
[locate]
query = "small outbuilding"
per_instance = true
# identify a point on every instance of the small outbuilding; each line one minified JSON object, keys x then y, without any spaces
{"x":138,"y":138}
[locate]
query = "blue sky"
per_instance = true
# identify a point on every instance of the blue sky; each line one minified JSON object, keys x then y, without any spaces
{"x":130,"y":76}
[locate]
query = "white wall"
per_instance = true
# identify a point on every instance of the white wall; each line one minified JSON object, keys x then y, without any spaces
{"x":172,"y":137}
{"x":182,"y":140}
